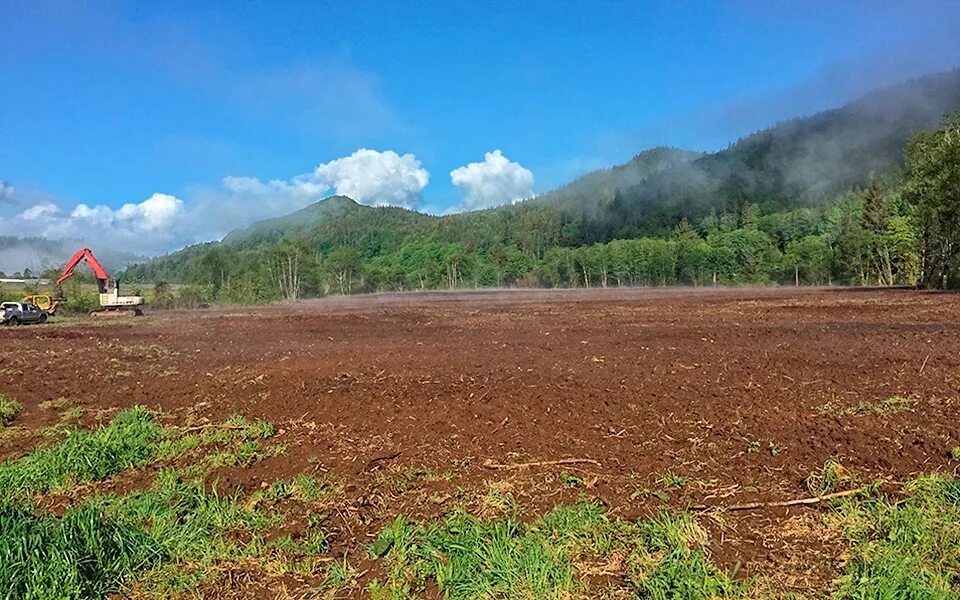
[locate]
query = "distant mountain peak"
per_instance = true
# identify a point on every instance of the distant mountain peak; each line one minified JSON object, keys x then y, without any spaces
{"x":294,"y":223}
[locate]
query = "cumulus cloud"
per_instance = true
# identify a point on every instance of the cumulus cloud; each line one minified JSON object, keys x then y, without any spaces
{"x":376,"y":178}
{"x":39,"y":211}
{"x":164,"y":222}
{"x":152,"y":225}
{"x":495,"y":181}
{"x":155,"y":215}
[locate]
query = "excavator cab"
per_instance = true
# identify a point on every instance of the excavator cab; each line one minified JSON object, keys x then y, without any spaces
{"x":110,"y":298}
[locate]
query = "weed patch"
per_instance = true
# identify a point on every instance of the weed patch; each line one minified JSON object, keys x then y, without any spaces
{"x":9,"y":410}
{"x":80,"y":555}
{"x":470,"y":558}
{"x":830,"y":478}
{"x":162,"y":541}
{"x":903,"y":549}
{"x":885,"y":407}
{"x":128,"y":440}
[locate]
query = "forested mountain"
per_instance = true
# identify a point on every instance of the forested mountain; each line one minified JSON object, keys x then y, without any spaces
{"x":598,"y":188}
{"x":801,"y":162}
{"x":815,"y":199}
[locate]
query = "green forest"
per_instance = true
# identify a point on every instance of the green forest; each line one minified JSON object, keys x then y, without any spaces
{"x":898,"y":228}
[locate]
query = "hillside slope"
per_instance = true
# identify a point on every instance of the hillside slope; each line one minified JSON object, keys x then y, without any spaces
{"x":601,"y":185}
{"x":801,"y":162}
{"x":295,"y":223}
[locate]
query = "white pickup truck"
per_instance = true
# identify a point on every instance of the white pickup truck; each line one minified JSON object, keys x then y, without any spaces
{"x":21,"y":313}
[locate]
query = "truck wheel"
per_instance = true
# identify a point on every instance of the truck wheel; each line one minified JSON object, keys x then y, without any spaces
{"x":43,"y":319}
{"x":13,"y":322}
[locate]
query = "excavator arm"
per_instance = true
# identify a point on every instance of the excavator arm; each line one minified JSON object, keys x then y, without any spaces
{"x":84,"y":255}
{"x":111,"y":302}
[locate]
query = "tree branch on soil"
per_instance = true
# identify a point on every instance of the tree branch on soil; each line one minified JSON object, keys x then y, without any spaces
{"x":800,"y":501}
{"x":489,"y":464}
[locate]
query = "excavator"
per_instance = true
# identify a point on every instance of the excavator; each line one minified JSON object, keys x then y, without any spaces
{"x":111,"y":302}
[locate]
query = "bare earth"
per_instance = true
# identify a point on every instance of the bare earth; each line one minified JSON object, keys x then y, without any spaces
{"x":744,"y":392}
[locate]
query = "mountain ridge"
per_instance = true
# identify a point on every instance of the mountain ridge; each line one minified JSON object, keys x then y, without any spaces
{"x":798,"y":163}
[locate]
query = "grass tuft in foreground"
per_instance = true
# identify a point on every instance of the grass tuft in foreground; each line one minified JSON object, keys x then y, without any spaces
{"x":163,"y":540}
{"x":9,"y":410}
{"x":128,"y":440}
{"x":550,"y":558}
{"x":903,"y":549}
{"x":80,"y":555}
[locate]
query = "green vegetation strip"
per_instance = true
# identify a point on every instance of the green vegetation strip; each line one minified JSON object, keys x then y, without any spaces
{"x":81,"y":555}
{"x":468,"y":558}
{"x":168,"y":536}
{"x":907,"y":549}
{"x":180,"y":532}
{"x":164,"y":539}
{"x":898,"y":549}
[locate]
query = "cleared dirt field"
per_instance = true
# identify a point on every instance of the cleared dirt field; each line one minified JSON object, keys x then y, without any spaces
{"x":677,"y":398}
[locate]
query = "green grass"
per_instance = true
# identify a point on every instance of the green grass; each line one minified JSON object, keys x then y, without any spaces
{"x":163,"y":540}
{"x":128,"y":440}
{"x":180,"y":532}
{"x":831,"y":477}
{"x":9,"y":410}
{"x":672,"y":480}
{"x":238,"y":440}
{"x":80,"y":555}
{"x":304,"y":488}
{"x":470,"y":558}
{"x":904,"y":549}
{"x":192,"y":529}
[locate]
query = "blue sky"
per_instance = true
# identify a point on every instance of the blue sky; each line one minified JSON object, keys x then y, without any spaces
{"x":107,"y":104}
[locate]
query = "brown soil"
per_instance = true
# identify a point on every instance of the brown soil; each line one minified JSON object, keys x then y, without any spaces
{"x":744,"y":392}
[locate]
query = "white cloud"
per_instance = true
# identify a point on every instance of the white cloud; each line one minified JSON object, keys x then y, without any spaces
{"x":495,"y":181}
{"x":164,"y":222}
{"x":149,"y":226}
{"x":367,"y":176}
{"x":157,"y":213}
{"x":39,"y":211}
{"x":376,"y":178}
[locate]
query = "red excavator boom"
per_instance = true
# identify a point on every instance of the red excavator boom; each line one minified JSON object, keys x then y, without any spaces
{"x":84,"y":254}
{"x":111,"y":302}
